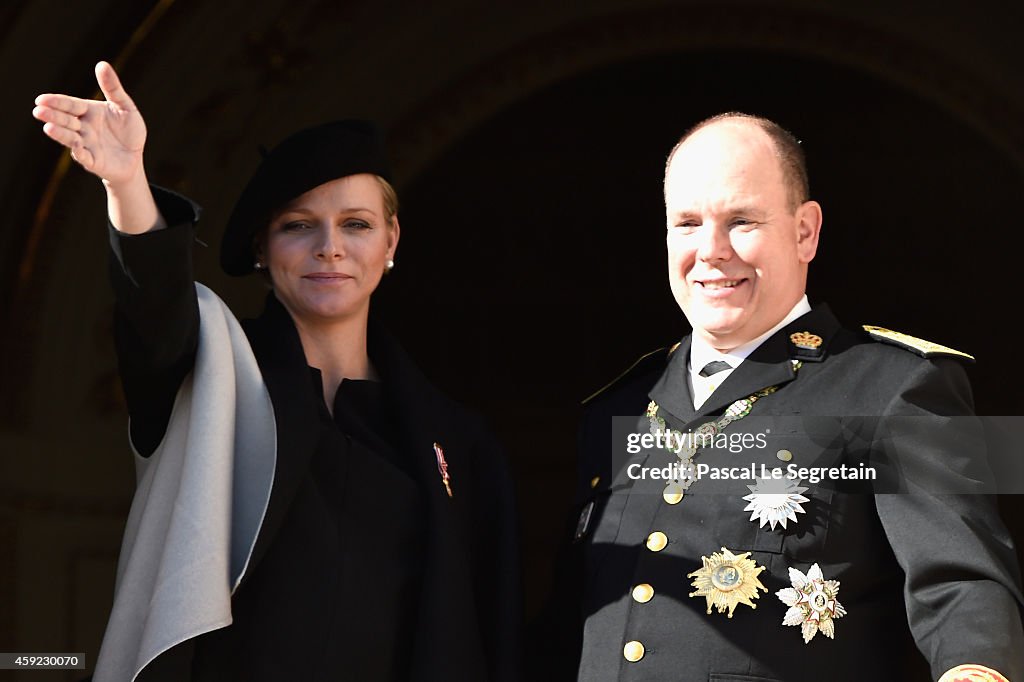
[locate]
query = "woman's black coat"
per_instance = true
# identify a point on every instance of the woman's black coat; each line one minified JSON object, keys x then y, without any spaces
{"x":297,"y":614}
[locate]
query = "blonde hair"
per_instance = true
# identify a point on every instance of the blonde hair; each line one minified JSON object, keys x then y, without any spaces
{"x":390,"y":197}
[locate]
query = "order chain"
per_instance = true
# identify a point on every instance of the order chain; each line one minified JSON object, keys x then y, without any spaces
{"x":708,"y":430}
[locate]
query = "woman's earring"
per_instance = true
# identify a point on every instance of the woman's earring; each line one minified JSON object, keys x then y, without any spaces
{"x":258,"y":265}
{"x":390,"y":266}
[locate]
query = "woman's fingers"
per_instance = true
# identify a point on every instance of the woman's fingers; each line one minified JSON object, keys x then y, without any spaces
{"x":48,"y":115}
{"x":105,"y":137}
{"x":110,"y":86}
{"x":73,"y":141}
{"x":69,"y":105}
{"x":68,"y":138}
{"x":83,"y":156}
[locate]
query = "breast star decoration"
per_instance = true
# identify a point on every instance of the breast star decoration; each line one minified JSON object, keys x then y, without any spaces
{"x":727,"y":580}
{"x":775,"y":501}
{"x":812,"y":603}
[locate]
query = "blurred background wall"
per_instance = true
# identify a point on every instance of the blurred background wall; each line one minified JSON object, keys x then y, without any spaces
{"x":529,"y":140}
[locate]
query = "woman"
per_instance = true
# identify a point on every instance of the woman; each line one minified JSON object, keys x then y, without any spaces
{"x":355,"y":524}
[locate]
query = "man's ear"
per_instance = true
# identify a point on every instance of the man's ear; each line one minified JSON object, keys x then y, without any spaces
{"x":808,"y":228}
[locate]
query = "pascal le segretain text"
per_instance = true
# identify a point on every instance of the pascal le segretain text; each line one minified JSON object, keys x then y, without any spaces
{"x":677,"y":471}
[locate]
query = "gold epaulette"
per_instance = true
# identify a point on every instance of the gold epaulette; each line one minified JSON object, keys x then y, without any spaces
{"x":926,"y":349}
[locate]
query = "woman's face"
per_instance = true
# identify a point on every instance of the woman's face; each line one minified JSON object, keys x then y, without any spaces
{"x":327,"y":249}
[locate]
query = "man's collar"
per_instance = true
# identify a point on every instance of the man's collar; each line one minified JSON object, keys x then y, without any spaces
{"x":701,"y":352}
{"x":771,"y":363}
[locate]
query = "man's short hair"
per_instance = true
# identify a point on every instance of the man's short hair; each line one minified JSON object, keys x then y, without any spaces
{"x":787,"y":148}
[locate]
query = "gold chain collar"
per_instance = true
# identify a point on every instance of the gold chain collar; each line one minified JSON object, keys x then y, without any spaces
{"x":706,"y":431}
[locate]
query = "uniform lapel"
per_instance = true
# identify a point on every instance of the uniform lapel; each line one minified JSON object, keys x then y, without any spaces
{"x":672,"y":390}
{"x":768,"y":365}
{"x":771,"y":364}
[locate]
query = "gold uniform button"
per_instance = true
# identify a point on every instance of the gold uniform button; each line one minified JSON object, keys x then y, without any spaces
{"x":643,"y":593}
{"x":784,"y":455}
{"x":633,"y":651}
{"x":656,"y":541}
{"x":594,"y":481}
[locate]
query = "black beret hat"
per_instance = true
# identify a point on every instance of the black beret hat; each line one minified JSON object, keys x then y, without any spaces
{"x":305,"y":160}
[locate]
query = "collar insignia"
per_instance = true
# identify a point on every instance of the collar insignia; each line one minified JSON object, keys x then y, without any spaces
{"x":806,"y":346}
{"x":805,"y":340}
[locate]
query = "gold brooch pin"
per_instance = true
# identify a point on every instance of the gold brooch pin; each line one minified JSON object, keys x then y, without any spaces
{"x":727,"y":580}
{"x":805,"y":340}
{"x":812,"y":603}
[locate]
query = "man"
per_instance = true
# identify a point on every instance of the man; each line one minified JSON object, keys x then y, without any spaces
{"x":893,"y":577}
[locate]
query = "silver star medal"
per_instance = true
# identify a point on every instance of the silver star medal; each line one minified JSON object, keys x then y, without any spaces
{"x":812,"y":603}
{"x":775,"y":501}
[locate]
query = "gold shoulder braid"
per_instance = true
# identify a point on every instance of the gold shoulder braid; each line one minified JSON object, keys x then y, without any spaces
{"x":688,"y":449}
{"x":925,"y":349}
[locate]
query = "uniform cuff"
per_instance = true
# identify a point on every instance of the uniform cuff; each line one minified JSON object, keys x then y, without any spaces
{"x":972,"y":672}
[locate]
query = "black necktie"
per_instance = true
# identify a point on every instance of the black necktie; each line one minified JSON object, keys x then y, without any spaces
{"x":714,"y":367}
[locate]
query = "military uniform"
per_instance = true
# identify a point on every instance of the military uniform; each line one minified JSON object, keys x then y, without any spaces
{"x":924,"y":580}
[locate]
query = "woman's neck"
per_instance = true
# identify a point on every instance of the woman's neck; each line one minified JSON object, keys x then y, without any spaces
{"x":338,"y":350}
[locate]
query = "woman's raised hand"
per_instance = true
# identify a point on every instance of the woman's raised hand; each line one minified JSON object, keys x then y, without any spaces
{"x":105,"y":137}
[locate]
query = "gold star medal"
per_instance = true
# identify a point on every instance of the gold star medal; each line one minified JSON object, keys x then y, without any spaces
{"x":726,"y":580}
{"x":775,"y":501}
{"x":812,"y":603}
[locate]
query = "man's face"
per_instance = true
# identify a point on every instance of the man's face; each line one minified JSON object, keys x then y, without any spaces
{"x":737,"y":250}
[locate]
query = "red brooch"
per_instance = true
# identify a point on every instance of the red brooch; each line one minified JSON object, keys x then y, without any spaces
{"x":442,"y":468}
